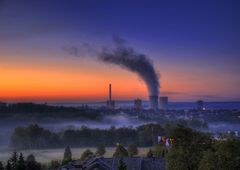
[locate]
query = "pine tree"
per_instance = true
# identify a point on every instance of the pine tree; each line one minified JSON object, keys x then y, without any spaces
{"x":120,"y":151}
{"x":1,"y":166}
{"x":121,"y":164}
{"x":14,"y":161}
{"x":21,"y":163}
{"x":67,"y":157}
{"x":31,"y":163}
{"x":8,"y":166}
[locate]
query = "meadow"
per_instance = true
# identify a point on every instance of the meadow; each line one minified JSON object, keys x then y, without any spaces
{"x":46,"y":155}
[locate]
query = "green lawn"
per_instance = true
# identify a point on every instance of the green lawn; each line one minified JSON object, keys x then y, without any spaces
{"x":46,"y":155}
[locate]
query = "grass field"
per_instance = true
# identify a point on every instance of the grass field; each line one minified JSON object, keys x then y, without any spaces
{"x":46,"y":155}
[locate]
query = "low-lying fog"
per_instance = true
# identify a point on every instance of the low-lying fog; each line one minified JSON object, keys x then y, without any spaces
{"x":121,"y":120}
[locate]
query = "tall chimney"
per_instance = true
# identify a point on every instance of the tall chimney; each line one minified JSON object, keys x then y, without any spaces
{"x":110,"y":92}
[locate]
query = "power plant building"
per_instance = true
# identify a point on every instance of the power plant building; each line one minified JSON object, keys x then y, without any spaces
{"x":200,"y":105}
{"x":163,"y":102}
{"x":138,"y":104}
{"x":153,"y":102}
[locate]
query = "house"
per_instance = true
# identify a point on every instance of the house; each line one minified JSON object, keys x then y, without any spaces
{"x":101,"y":163}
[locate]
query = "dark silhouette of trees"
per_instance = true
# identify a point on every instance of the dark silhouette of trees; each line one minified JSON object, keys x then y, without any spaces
{"x":31,"y":163}
{"x":33,"y":136}
{"x":187,"y":149}
{"x":67,"y":156}
{"x":14,"y":160}
{"x":54,"y":164}
{"x":30,"y":111}
{"x":8,"y":166}
{"x":223,"y":155}
{"x":36,"y":137}
{"x":21,"y":163}
{"x":1,"y":166}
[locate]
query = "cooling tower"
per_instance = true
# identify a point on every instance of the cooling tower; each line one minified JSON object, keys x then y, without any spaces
{"x":163,"y":103}
{"x":153,"y":102}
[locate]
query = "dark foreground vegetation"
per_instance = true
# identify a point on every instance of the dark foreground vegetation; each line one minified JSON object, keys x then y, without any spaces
{"x":35,"y":137}
{"x":31,"y":111}
{"x":191,"y":150}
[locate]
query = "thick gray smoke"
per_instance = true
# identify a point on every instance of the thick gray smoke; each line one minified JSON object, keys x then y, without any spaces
{"x":123,"y":56}
{"x":129,"y":59}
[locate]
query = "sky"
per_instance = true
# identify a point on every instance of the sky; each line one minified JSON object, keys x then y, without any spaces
{"x":194,"y":46}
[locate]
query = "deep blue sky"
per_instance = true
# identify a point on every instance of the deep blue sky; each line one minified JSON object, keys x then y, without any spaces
{"x":200,"y":35}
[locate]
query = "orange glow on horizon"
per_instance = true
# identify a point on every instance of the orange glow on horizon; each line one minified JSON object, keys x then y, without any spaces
{"x":40,"y":84}
{"x":52,"y":79}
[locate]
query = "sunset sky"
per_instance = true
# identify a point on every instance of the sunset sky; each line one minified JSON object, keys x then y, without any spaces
{"x":195,"y":48}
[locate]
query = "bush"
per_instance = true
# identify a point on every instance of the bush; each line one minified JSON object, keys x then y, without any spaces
{"x":132,"y":150}
{"x":100,"y":150}
{"x":87,"y":153}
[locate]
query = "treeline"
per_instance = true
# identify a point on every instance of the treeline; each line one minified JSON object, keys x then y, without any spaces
{"x":198,"y":151}
{"x":38,"y":111}
{"x":37,"y":137}
{"x":18,"y":162}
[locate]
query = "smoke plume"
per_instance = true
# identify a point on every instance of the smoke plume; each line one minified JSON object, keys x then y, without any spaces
{"x":123,"y":56}
{"x":129,"y":59}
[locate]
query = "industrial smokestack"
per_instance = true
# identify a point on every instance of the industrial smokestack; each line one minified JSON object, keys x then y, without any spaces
{"x":110,"y":102}
{"x":129,"y":59}
{"x":110,"y":92}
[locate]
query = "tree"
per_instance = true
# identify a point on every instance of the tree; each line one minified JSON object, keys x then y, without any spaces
{"x":8,"y":166}
{"x":228,"y":154}
{"x":87,"y":153}
{"x":14,"y":160}
{"x":132,"y":150}
{"x":21,"y":163}
{"x":187,"y":149}
{"x":150,"y":153}
{"x":224,"y":155}
{"x":120,"y":151}
{"x":208,"y":161}
{"x":31,"y":163}
{"x":67,"y":157}
{"x":121,"y":164}
{"x":1,"y":166}
{"x":55,"y":164}
{"x":100,"y":150}
{"x":176,"y":160}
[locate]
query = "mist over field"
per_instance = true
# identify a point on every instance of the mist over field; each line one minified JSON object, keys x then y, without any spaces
{"x":58,"y":124}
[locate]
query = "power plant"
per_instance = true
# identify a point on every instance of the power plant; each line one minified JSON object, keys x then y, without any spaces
{"x":163,"y":102}
{"x":153,"y":102}
{"x":127,"y":58}
{"x":110,"y":102}
{"x":138,"y":104}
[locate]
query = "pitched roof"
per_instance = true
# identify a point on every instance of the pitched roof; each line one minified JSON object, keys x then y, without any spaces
{"x":100,"y":163}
